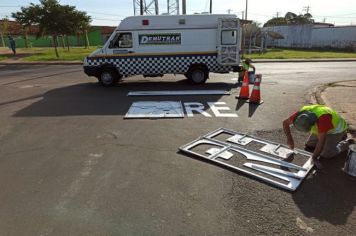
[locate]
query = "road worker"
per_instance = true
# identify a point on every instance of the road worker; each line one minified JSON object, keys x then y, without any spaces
{"x":327,"y":131}
{"x":246,"y":65}
{"x":12,"y":44}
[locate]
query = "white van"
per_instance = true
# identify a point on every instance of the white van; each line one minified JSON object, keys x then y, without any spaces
{"x":193,"y":45}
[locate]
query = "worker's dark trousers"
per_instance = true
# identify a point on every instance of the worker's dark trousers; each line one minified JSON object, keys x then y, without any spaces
{"x":332,"y":140}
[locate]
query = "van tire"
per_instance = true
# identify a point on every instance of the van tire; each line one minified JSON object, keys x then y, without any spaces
{"x":197,"y":74}
{"x":108,"y":77}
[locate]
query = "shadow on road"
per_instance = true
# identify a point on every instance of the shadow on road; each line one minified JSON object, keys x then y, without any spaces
{"x":251,"y":106}
{"x":329,"y":195}
{"x":93,"y":99}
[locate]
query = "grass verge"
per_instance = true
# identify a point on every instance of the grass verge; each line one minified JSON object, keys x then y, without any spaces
{"x":48,"y":54}
{"x":3,"y":57}
{"x":300,"y":54}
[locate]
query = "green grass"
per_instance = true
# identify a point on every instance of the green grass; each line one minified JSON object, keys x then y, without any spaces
{"x":48,"y":54}
{"x":3,"y":57}
{"x":300,"y":54}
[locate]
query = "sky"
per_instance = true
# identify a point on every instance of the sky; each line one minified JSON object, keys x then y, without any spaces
{"x":110,"y":12}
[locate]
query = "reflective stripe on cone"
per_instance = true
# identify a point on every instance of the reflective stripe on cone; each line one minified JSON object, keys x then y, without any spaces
{"x":256,"y":93}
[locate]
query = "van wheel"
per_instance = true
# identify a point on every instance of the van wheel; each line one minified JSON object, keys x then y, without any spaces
{"x":197,"y":75}
{"x":108,"y":77}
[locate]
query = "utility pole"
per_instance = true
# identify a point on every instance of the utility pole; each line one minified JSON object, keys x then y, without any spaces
{"x":307,"y":8}
{"x":277,"y":14}
{"x":211,"y":6}
{"x":246,"y":10}
{"x":242,"y":15}
{"x":184,"y":7}
{"x":229,"y":11}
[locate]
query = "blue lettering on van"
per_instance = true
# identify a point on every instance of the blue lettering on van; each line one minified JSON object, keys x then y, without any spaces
{"x":159,"y":39}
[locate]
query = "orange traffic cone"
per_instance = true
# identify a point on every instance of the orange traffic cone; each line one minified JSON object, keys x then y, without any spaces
{"x":244,"y":91}
{"x":256,"y":93}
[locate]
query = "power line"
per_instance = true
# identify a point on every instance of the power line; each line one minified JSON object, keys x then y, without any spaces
{"x":105,"y":19}
{"x":10,"y":6}
{"x":341,"y":17}
{"x":103,"y":13}
{"x":257,"y":14}
{"x":347,"y":14}
{"x":307,"y":8}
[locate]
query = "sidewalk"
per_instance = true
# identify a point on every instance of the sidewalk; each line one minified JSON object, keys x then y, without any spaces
{"x":341,"y":96}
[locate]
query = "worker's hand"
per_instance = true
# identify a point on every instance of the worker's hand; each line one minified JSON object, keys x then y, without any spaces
{"x":318,"y":164}
{"x":290,"y":143}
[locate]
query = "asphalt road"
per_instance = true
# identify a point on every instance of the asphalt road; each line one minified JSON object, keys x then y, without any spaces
{"x":71,"y":165}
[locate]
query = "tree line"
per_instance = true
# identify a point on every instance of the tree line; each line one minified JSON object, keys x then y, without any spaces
{"x":290,"y":18}
{"x":52,"y":19}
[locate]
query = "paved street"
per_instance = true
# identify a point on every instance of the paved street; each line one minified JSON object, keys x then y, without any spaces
{"x":71,"y":165}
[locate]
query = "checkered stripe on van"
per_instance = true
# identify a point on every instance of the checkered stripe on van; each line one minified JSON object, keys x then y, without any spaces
{"x":159,"y":64}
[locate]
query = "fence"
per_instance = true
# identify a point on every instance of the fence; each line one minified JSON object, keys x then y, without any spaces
{"x":95,"y":39}
{"x":311,"y":36}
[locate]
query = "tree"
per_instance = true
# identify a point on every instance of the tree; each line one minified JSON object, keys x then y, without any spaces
{"x":290,"y":18}
{"x":276,"y":21}
{"x":251,"y":32}
{"x":4,"y":26}
{"x":79,"y":23}
{"x":26,"y":18}
{"x":53,"y":19}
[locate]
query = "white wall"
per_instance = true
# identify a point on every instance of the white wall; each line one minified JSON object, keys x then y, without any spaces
{"x":307,"y":36}
{"x":297,"y":36}
{"x":335,"y":37}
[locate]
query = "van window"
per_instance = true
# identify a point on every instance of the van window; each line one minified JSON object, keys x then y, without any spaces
{"x":229,"y":37}
{"x":121,"y":40}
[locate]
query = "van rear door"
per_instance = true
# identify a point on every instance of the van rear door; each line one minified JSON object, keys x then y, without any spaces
{"x":228,"y":41}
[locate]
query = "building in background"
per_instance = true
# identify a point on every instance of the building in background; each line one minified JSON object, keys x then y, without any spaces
{"x":97,"y":36}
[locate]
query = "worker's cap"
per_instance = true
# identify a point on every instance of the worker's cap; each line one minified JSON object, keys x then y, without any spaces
{"x":248,"y":60}
{"x":304,"y":121}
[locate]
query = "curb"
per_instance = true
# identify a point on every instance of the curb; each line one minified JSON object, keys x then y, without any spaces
{"x":304,"y":60}
{"x":48,"y":63}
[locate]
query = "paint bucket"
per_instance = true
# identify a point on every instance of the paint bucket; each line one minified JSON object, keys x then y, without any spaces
{"x":350,"y":164}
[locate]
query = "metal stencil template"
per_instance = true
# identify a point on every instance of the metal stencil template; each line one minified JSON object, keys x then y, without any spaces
{"x":155,"y":109}
{"x":274,"y":163}
{"x":178,"y":92}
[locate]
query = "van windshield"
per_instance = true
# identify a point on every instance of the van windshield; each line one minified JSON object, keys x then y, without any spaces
{"x":121,"y":40}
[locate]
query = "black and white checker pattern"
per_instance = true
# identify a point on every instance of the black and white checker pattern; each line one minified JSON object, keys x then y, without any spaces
{"x":159,"y":64}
